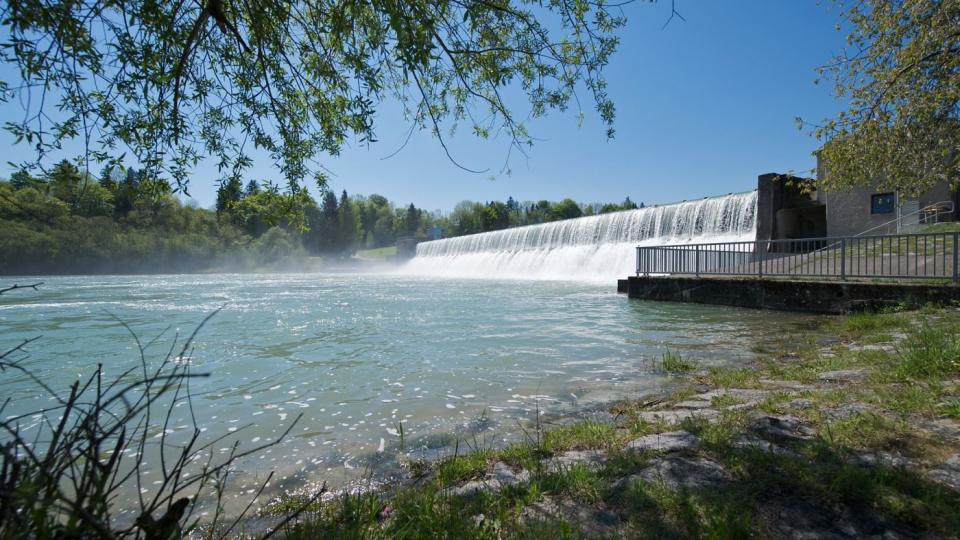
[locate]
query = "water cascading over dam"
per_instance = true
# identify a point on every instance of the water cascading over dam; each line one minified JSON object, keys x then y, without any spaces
{"x":594,"y":248}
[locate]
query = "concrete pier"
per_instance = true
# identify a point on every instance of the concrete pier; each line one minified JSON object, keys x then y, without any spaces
{"x":834,"y":297}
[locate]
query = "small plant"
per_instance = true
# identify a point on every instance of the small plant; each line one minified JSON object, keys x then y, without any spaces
{"x":672,"y":362}
{"x":864,"y":324}
{"x":930,"y":352}
{"x":400,"y":434}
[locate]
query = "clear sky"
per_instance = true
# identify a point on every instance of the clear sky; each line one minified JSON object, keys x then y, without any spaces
{"x":703,"y":107}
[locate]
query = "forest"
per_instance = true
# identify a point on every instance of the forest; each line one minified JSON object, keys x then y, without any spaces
{"x":128,"y":221}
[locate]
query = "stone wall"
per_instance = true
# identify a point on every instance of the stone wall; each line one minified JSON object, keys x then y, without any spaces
{"x":783,"y":295}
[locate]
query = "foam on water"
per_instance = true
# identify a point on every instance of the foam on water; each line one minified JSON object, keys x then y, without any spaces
{"x":588,"y":248}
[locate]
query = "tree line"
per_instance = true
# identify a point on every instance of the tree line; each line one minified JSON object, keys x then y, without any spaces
{"x":127,"y":220}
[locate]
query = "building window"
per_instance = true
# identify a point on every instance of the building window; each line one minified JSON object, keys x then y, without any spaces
{"x":883,"y":203}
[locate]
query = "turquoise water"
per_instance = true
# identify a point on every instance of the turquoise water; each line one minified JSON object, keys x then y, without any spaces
{"x":360,"y":354}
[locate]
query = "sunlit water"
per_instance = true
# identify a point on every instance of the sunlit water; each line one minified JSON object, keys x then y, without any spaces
{"x":360,"y":354}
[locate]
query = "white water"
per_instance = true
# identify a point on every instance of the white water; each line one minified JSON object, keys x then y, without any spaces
{"x":588,"y":248}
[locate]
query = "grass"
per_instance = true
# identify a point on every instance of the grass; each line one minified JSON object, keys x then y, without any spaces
{"x":930,"y":351}
{"x":672,"y":362}
{"x":870,"y":324}
{"x":378,"y":253}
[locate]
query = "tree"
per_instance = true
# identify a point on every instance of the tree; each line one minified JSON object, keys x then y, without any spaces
{"x":348,"y":230}
{"x":22,"y":179}
{"x":65,"y":182}
{"x":329,"y":222}
{"x":314,"y":71}
{"x":902,"y":126}
{"x":412,"y":220}
{"x":567,"y":209}
{"x":230,"y":191}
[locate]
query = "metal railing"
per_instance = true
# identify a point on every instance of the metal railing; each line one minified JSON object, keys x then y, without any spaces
{"x":902,"y":256}
{"x":928,"y":215}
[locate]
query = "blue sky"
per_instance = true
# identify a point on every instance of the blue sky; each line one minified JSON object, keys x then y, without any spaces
{"x":703,"y":107}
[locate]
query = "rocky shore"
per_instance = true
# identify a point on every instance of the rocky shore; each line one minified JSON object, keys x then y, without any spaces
{"x":851,"y":436}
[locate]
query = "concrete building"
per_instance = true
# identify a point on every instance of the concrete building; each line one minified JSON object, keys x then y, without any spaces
{"x":789,"y":207}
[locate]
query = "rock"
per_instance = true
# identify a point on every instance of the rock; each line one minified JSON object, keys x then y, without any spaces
{"x":844,"y":375}
{"x":789,"y":385}
{"x":593,"y":459}
{"x":756,"y":443}
{"x":692,"y":404}
{"x":687,"y":472}
{"x":801,"y":404}
{"x":745,"y":394}
{"x":676,"y":416}
{"x":948,"y":473}
{"x":881,"y":457}
{"x":847,"y":410}
{"x":501,"y":475}
{"x":593,"y":521}
{"x":504,"y":474}
{"x":782,"y":426}
{"x":665,"y":442}
{"x":872,"y":347}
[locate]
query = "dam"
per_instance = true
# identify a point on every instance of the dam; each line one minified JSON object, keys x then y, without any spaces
{"x":595,"y":248}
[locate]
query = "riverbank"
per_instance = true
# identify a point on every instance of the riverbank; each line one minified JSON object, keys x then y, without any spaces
{"x":854,"y":435}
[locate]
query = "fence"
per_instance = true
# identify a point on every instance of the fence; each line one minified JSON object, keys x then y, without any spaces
{"x":902,"y":256}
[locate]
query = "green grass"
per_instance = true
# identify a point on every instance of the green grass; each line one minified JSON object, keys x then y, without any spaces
{"x":869,"y":324}
{"x":378,"y":253}
{"x":672,"y":362}
{"x":585,"y":435}
{"x":930,"y":351}
{"x":578,"y":482}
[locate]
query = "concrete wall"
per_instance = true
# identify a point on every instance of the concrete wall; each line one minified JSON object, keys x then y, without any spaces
{"x":784,"y":210}
{"x":807,"y":296}
{"x":848,"y":212}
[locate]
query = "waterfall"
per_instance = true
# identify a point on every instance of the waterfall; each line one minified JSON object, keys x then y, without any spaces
{"x":594,"y":247}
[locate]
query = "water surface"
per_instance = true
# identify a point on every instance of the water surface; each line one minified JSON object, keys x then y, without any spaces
{"x":360,"y":354}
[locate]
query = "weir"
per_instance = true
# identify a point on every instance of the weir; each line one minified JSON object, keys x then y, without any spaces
{"x":593,"y":248}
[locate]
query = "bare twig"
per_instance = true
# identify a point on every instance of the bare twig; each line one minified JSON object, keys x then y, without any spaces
{"x":15,"y":287}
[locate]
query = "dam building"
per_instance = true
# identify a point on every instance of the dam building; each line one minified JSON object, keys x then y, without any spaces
{"x":603,"y":247}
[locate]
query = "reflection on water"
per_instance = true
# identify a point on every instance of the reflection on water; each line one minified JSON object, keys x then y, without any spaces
{"x":360,"y":354}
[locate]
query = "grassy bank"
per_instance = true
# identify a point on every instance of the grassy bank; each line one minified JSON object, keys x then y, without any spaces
{"x":852,"y":432}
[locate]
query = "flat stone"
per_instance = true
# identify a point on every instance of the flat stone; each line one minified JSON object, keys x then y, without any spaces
{"x":756,"y":443}
{"x":501,"y":475}
{"x":948,"y":473}
{"x":665,"y":442}
{"x":687,"y":472}
{"x":676,"y":416}
{"x":591,"y":520}
{"x":789,"y":385}
{"x":504,"y":474}
{"x":844,"y":375}
{"x":692,"y":404}
{"x":872,"y":347}
{"x":881,"y":458}
{"x":782,"y":426}
{"x":847,"y":410}
{"x":801,"y":404}
{"x":746,"y":394}
{"x":593,"y":459}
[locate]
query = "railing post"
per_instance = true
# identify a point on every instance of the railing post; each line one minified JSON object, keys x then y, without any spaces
{"x":760,"y":262}
{"x":843,"y":258}
{"x":696,"y":258}
{"x":956,"y":269}
{"x":638,"y":261}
